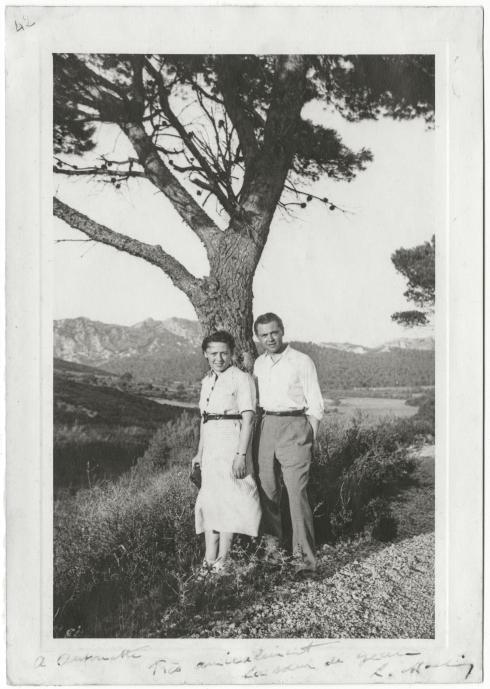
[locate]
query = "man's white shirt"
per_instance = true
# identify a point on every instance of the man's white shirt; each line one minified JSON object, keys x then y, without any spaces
{"x":288,"y":382}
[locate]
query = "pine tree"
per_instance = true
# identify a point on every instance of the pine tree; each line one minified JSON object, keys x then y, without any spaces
{"x":252,"y":153}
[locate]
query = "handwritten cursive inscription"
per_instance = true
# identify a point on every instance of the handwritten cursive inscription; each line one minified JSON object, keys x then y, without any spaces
{"x":125,"y":654}
{"x":262,"y":654}
{"x":164,"y":667}
{"x":26,"y":23}
{"x":376,"y":657}
{"x":421,"y":666}
{"x":268,"y":662}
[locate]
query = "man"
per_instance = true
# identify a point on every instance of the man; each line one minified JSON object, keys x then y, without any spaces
{"x":292,"y":404}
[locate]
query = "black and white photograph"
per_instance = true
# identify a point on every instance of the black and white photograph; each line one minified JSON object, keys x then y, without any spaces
{"x":245,"y":351}
{"x":245,"y":286}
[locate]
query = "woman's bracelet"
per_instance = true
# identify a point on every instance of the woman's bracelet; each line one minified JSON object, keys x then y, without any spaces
{"x":241,"y":453}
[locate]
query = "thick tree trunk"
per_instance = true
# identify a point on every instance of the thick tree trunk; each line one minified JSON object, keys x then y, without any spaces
{"x":231,"y":310}
{"x":226,"y":303}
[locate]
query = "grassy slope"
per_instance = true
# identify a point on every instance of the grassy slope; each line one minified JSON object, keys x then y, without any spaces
{"x":112,"y":407}
{"x":100,"y":431}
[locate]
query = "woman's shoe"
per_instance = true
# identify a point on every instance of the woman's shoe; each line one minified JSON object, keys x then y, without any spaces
{"x":204,"y":570}
{"x":220,"y":566}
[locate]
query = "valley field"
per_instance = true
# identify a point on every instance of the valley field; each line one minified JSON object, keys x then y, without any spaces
{"x":103,"y":422}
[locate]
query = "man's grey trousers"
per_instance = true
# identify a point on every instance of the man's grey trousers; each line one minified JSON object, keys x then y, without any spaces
{"x":285,"y":443}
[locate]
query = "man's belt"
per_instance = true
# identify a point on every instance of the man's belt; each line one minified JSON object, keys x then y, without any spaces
{"x":217,"y":417}
{"x":292,"y":412}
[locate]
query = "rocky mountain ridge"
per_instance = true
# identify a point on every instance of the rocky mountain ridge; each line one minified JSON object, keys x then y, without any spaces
{"x":84,"y":341}
{"x":94,"y":343}
{"x":169,"y":351}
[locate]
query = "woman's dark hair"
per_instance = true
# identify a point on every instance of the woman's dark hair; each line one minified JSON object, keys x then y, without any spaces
{"x":219,"y":336}
{"x":268,"y":318}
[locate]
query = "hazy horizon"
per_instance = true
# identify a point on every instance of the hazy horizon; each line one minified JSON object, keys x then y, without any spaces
{"x":407,"y":336}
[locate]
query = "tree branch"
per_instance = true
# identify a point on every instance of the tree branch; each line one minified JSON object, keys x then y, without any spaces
{"x":309,"y":196}
{"x":263,"y":182}
{"x":160,"y":175}
{"x":99,"y":172}
{"x":187,"y":138}
{"x":155,"y":255}
{"x":227,"y":79}
{"x":286,"y":103}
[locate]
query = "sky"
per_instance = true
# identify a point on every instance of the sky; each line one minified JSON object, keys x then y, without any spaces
{"x":328,"y":274}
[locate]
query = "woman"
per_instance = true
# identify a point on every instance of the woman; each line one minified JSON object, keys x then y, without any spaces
{"x":228,"y":501}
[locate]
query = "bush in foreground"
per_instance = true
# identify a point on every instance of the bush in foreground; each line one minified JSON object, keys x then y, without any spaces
{"x":119,"y":547}
{"x":358,"y":468}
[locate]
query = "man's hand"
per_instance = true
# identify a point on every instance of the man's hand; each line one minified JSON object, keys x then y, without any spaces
{"x":195,"y":460}
{"x":314,"y":423}
{"x":239,"y":469}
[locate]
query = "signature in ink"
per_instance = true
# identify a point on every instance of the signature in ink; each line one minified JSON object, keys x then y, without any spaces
{"x":420,"y":667}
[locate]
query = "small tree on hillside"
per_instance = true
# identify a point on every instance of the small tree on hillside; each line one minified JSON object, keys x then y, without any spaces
{"x":417,"y":265}
{"x":126,"y":379}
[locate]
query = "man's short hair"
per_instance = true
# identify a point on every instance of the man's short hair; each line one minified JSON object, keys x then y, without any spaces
{"x":219,"y":336}
{"x":268,"y":317}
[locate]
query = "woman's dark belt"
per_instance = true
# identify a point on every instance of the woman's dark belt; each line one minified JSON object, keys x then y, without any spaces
{"x":216,"y":417}
{"x":292,"y":412}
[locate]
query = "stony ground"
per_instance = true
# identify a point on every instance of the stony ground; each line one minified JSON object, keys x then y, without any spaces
{"x":363,"y":589}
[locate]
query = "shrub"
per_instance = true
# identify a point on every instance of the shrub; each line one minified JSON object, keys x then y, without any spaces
{"x":119,"y":543}
{"x":83,"y":453}
{"x":356,"y":470}
{"x":427,"y":408}
{"x":174,"y":443}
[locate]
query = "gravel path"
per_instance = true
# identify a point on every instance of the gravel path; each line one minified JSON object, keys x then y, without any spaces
{"x":390,"y":594}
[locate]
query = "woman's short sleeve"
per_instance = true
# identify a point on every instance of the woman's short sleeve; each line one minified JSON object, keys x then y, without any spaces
{"x":202,"y":396}
{"x":246,"y":394}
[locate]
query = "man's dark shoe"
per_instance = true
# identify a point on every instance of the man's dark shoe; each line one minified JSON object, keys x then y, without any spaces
{"x":303,"y":568}
{"x":302,"y":572}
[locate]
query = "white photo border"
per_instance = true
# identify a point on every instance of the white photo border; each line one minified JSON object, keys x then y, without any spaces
{"x":454,"y":35}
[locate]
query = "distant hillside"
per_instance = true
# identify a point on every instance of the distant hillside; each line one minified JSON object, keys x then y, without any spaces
{"x":340,"y":370}
{"x":82,"y":403}
{"x":414,"y":343}
{"x":159,"y":350}
{"x":345,"y":347}
{"x":169,"y":351}
{"x":100,"y":430}
{"x":71,"y":366}
{"x":418,"y":343}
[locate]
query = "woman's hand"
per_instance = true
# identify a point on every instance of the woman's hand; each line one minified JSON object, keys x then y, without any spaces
{"x":239,"y":469}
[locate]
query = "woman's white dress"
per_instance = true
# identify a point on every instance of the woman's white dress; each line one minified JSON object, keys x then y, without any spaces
{"x":226,"y":503}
